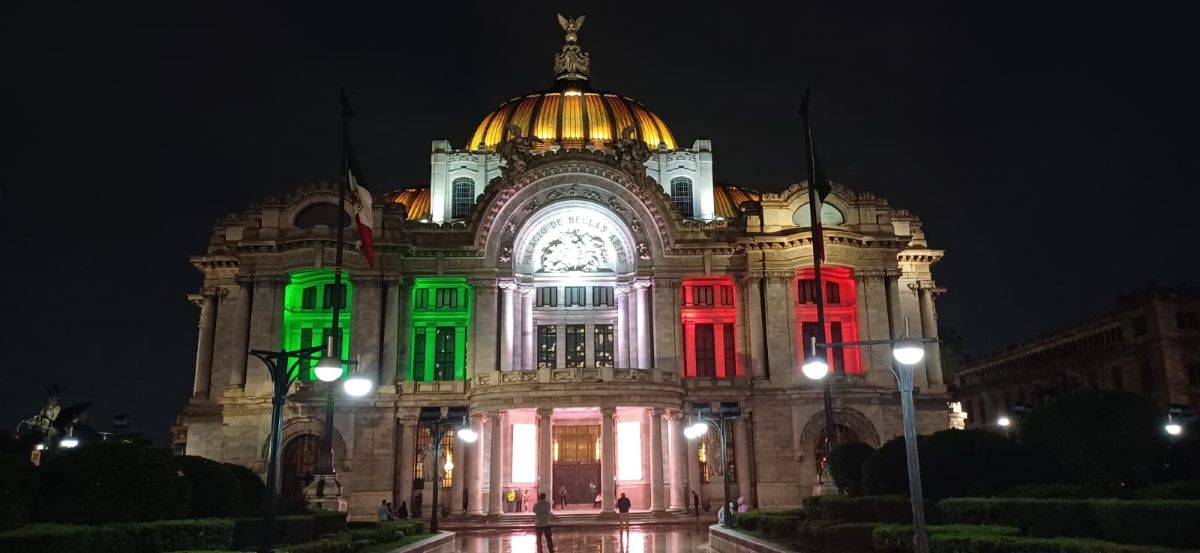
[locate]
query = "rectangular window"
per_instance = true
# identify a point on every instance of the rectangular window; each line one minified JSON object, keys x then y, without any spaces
{"x":602,"y":296}
{"x":702,"y":295}
{"x":309,"y":299}
{"x":329,"y":295}
{"x":306,"y":340}
{"x":833,"y":293}
{"x":808,"y":331}
{"x":806,"y":291}
{"x":419,"y":354}
{"x":448,"y":455}
{"x":443,"y":354}
{"x":547,"y":346}
{"x":838,"y":354}
{"x":726,"y":295}
{"x":629,"y":450}
{"x":576,"y":346}
{"x":575,"y":295}
{"x":422,"y":298}
{"x":424,"y":442}
{"x":730,"y":361}
{"x":604,"y":345}
{"x":524,"y":453}
{"x":547,"y":296}
{"x":447,"y":298}
{"x":706,"y":356}
{"x":702,"y":456}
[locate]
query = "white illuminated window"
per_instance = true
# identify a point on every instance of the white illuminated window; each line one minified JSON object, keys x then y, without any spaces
{"x":524,"y":453}
{"x":629,"y":450}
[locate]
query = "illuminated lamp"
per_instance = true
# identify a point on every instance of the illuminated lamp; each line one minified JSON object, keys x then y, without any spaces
{"x":908,"y":352}
{"x":815,"y":368}
{"x":467,"y":435}
{"x":357,"y":385}
{"x":328,"y":369}
{"x":1173,"y":429}
{"x":1003,"y":421}
{"x":69,"y":442}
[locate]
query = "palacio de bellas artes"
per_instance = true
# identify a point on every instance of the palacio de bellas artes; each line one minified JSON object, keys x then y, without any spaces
{"x":574,"y":280}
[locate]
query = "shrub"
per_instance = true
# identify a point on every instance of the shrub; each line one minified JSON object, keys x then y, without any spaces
{"x":885,"y":472}
{"x":328,"y":522}
{"x":18,"y":490}
{"x":1063,"y":491}
{"x":1035,"y":517}
{"x":408,"y":527}
{"x":1186,"y":489}
{"x":994,"y":539}
{"x":843,"y":538}
{"x":146,"y":537}
{"x":957,"y":463}
{"x":111,"y":482}
{"x":215,"y":489}
{"x":1155,"y":522}
{"x":1099,"y":437}
{"x":251,"y":489}
{"x":886,"y":508}
{"x":288,"y":529}
{"x":897,"y":538}
{"x":338,"y":544}
{"x":770,"y":524}
{"x":845,"y":464}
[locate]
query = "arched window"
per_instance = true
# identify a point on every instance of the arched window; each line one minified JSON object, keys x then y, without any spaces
{"x":829,"y":216}
{"x":462,"y":197}
{"x":681,"y":195}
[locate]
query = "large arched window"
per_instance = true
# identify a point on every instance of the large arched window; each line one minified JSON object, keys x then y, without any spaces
{"x":462,"y":197}
{"x":681,"y":195}
{"x":829,"y":216}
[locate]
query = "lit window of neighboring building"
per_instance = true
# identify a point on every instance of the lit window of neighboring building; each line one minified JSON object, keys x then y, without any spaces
{"x":841,"y":315}
{"x":462,"y":197}
{"x":681,"y":196}
{"x":709,"y":327}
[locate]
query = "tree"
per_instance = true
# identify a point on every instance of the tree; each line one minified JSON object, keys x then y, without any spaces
{"x":846,"y":466}
{"x":104,"y":482}
{"x":885,"y":472}
{"x":216,"y":492}
{"x":1103,"y":438}
{"x":956,"y":463}
{"x":252,"y":489}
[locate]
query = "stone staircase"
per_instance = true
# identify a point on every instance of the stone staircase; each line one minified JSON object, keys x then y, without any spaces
{"x":569,"y":519}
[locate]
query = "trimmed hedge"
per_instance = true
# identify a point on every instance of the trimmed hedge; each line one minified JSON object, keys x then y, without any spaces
{"x":328,"y":522}
{"x":337,"y":544}
{"x":774,"y":525}
{"x":111,"y":482}
{"x":883,"y":508}
{"x":146,"y":537}
{"x":1167,"y":523}
{"x":897,"y":538}
{"x":1185,"y":489}
{"x":1064,"y":491}
{"x":251,"y":487}
{"x":845,"y":465}
{"x":18,"y":490}
{"x":885,"y":472}
{"x":288,"y":529}
{"x":215,"y":490}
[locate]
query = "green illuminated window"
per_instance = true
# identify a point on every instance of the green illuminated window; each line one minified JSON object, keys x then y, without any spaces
{"x":308,"y":314}
{"x":440,"y":315}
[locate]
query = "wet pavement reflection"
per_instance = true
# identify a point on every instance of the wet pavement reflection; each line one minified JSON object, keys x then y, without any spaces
{"x":648,"y":539}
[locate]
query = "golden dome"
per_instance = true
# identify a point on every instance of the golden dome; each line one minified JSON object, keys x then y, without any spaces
{"x":571,"y":114}
{"x":573,"y":117}
{"x":728,"y":199}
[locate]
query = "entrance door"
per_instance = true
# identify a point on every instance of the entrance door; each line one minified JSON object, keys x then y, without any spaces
{"x":299,"y":462}
{"x":577,"y":462}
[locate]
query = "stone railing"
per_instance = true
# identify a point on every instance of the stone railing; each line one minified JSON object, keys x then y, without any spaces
{"x":574,"y":376}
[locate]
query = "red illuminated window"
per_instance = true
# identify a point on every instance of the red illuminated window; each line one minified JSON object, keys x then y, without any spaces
{"x":841,"y":315}
{"x":709,"y":320}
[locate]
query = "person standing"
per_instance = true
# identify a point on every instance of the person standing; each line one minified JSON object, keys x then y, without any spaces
{"x":420,"y":498}
{"x":696,"y":503}
{"x":562,"y":497}
{"x":402,"y":512}
{"x":541,"y":524}
{"x":623,"y":505}
{"x":385,"y":512}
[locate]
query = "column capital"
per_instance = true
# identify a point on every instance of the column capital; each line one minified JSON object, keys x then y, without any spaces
{"x":608,"y":411}
{"x":642,"y":283}
{"x":507,"y":285}
{"x":674,"y":415}
{"x":545,"y":412}
{"x":657,"y":412}
{"x":525,"y":290}
{"x":779,"y":276}
{"x":667,"y":282}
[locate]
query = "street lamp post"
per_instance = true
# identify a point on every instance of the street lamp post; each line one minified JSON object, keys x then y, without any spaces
{"x":455,"y":423}
{"x":282,"y":377}
{"x":704,"y":417}
{"x":907,"y":353}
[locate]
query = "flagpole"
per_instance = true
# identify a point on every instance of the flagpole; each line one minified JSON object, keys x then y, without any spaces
{"x":818,"y":241}
{"x":325,"y":465}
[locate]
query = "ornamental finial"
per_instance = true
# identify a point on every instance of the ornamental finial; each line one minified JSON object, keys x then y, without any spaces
{"x":571,"y":64}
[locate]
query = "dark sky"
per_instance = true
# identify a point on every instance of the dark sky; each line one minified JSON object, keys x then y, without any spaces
{"x":1051,"y":151}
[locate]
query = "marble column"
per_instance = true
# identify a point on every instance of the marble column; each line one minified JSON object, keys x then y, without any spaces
{"x":527,"y":336}
{"x":643,"y":324}
{"x":622,"y":299}
{"x":741,"y":457}
{"x":475,"y":467}
{"x":204,"y":346}
{"x":754,"y":324}
{"x":241,"y":334}
{"x":657,"y":504}
{"x":391,"y":335}
{"x":496,"y":473}
{"x":545,"y":453}
{"x":676,"y":453}
{"x":933,"y":355}
{"x":408,"y":455}
{"x":608,"y":460}
{"x":507,"y":325}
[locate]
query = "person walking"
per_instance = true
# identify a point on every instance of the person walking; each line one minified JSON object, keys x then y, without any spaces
{"x":541,"y":524}
{"x":696,"y":503}
{"x":623,"y":505}
{"x":562,"y":497}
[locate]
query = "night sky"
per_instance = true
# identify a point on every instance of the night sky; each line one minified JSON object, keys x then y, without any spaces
{"x":1051,"y":152}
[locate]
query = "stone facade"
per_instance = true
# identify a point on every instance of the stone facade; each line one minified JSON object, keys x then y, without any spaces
{"x":1149,"y":345}
{"x":572,"y":297}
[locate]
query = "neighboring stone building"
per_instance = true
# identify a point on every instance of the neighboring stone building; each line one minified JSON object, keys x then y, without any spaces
{"x":578,"y":280}
{"x":1149,"y":345}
